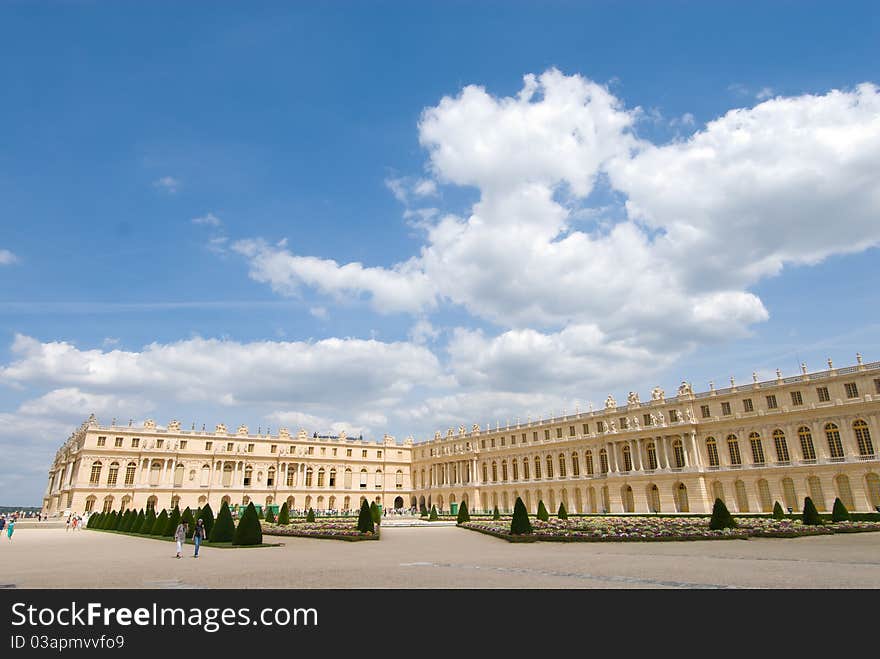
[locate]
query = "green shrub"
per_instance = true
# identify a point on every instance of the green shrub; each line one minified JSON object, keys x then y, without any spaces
{"x":423,"y":512}
{"x":496,"y":514}
{"x":562,"y":513}
{"x":170,"y":525}
{"x":778,"y":513}
{"x":207,"y":517}
{"x":138,"y":522}
{"x":284,"y":514}
{"x":543,"y":515}
{"x":365,"y":518}
{"x":190,"y":521}
{"x":810,"y":514}
{"x":377,"y":515}
{"x":105,"y":519}
{"x":224,"y":529}
{"x":433,"y":516}
{"x":463,"y":515}
{"x":260,"y":514}
{"x":249,"y":531}
{"x":839,"y":513}
{"x":161,"y":524}
{"x":520,"y":523}
{"x":310,"y":516}
{"x":94,"y":520}
{"x":270,"y":516}
{"x":149,"y":520}
{"x":721,"y":517}
{"x":120,"y":520}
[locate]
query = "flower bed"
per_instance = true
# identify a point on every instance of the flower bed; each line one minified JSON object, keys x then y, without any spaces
{"x":335,"y":529}
{"x":658,"y":529}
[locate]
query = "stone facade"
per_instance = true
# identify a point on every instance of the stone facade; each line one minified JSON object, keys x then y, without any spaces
{"x":813,"y":434}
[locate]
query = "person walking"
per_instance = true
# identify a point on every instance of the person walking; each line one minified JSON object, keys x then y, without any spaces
{"x":180,"y":536}
{"x":2,"y":522}
{"x":198,"y":536}
{"x":69,"y":518}
{"x":10,"y":528}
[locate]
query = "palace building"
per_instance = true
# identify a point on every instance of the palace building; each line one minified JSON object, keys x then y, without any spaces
{"x":812,"y":434}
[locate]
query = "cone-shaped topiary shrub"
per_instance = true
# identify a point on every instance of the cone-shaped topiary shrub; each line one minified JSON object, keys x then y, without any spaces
{"x":207,"y":517}
{"x":778,"y":513}
{"x":810,"y":515}
{"x":260,"y":514}
{"x":463,"y":515}
{"x":170,"y":524}
{"x":433,"y":516}
{"x":284,"y":514}
{"x":543,"y":515}
{"x":365,"y":519}
{"x":270,"y":516}
{"x":839,"y":513}
{"x":310,"y":516}
{"x":721,"y":517}
{"x":138,"y":522}
{"x":120,"y":520}
{"x":520,"y":523}
{"x":224,"y":528}
{"x":562,"y":513}
{"x":105,"y":519}
{"x":249,"y":531}
{"x":496,"y":514}
{"x":149,"y":519}
{"x":160,"y":524}
{"x":189,"y":520}
{"x":94,"y":518}
{"x":374,"y":511}
{"x":423,"y":512}
{"x":132,"y":520}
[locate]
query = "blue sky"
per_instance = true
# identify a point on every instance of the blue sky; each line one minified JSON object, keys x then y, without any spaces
{"x":154,"y":157}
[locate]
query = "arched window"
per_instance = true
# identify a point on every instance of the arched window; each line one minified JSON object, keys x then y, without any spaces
{"x":227,"y":474}
{"x":332,"y":481}
{"x":270,"y":477}
{"x":346,"y":503}
{"x":764,"y":495}
{"x":654,"y":498}
{"x":485,"y":473}
{"x":398,"y":479}
{"x":808,"y":451}
{"x":378,"y":476}
{"x":627,"y":460}
{"x":863,"y":438}
{"x":108,"y":504}
{"x":347,"y":482}
{"x":588,"y":462}
{"x":309,"y":473}
{"x":537,"y":467}
{"x":178,"y":475}
{"x":816,"y":493}
{"x":549,"y":467}
{"x":757,"y":448}
{"x":680,"y":494}
{"x":291,"y":475}
{"x":113,"y":473}
{"x":678,"y":453}
{"x":206,"y":476}
{"x":561,"y":465}
{"x":712,"y":451}
{"x":130,"y":470}
{"x":321,"y":477}
{"x":525,"y":463}
{"x":742,"y":500}
{"x":844,"y":491}
{"x":872,"y":481}
{"x":603,"y":462}
{"x":575,"y":466}
{"x":733,"y":449}
{"x":504,"y":470}
{"x":788,"y":493}
{"x":515,"y":465}
{"x":90,"y":503}
{"x":95,"y":476}
{"x":248,"y":475}
{"x":331,"y":503}
{"x":835,"y":447}
{"x":651,"y":449}
{"x":494,"y":472}
{"x":781,"y":446}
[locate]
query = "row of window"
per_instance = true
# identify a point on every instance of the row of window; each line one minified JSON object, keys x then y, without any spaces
{"x":209,"y":446}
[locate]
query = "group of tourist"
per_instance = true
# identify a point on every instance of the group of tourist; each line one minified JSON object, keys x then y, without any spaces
{"x":199,"y":534}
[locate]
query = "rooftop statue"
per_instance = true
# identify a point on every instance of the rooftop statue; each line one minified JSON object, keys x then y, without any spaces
{"x":684,"y":389}
{"x":610,"y":403}
{"x":632,"y":398}
{"x":657,"y":393}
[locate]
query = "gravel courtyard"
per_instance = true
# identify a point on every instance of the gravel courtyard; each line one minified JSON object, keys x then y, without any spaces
{"x":441,"y":557}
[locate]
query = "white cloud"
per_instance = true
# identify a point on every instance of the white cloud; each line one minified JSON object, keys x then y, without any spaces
{"x":423,"y":332}
{"x":319,"y":312}
{"x":425,"y":188}
{"x":208,"y":220}
{"x":168,"y":184}
{"x":7,"y":257}
{"x":764,"y":93}
{"x":72,"y":404}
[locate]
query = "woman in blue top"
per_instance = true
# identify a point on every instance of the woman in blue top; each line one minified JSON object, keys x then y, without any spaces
{"x":10,"y":528}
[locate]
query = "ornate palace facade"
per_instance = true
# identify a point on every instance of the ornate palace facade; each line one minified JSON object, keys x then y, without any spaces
{"x":813,"y":434}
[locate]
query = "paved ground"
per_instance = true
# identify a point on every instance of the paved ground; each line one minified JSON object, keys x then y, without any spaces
{"x":438,"y":557}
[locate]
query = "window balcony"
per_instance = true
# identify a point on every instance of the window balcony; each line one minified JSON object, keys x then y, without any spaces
{"x":869,"y":456}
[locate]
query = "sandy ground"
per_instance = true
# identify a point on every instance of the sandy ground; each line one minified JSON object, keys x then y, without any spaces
{"x":437,"y":557}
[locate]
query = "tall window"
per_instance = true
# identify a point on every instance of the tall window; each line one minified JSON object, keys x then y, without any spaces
{"x":379,"y":482}
{"x":398,"y":479}
{"x":332,"y":482}
{"x":652,"y":455}
{"x":733,"y":449}
{"x":248,"y":475}
{"x":494,"y":473}
{"x":575,"y":466}
{"x":113,"y":473}
{"x":321,"y":477}
{"x":678,"y":453}
{"x":130,"y":469}
{"x":291,"y":473}
{"x":270,"y":477}
{"x":863,"y":438}
{"x":561,"y":465}
{"x":549,"y":467}
{"x":603,"y":461}
{"x":725,"y":408}
{"x":796,"y":398}
{"x":781,"y":446}
{"x":537,"y":467}
{"x":363,"y":482}
{"x":485,"y":473}
{"x":646,"y":419}
{"x":627,"y":459}
{"x":515,"y":466}
{"x":805,"y":437}
{"x":835,"y":447}
{"x":95,"y":476}
{"x":712,"y":450}
{"x":525,"y":469}
{"x":347,"y":482}
{"x":588,"y":462}
{"x":757,"y":448}
{"x":504,"y":470}
{"x":309,"y":474}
